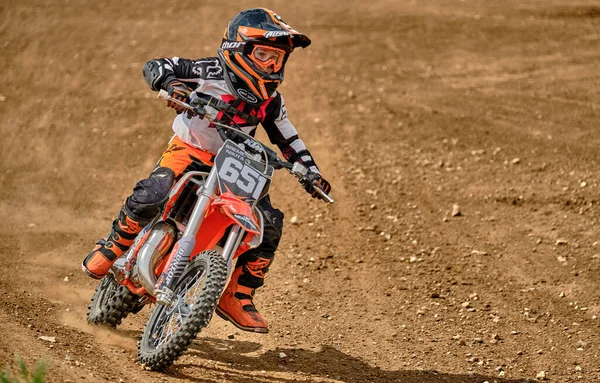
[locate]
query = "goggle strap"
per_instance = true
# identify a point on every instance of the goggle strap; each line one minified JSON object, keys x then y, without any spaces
{"x":235,"y":46}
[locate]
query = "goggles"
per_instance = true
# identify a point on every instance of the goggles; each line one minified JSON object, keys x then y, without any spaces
{"x":265,"y":56}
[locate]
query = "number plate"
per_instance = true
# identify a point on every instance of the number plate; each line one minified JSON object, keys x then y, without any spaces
{"x":239,"y":174}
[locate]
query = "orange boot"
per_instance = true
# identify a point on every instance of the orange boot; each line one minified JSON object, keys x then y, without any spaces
{"x":236,"y":303}
{"x":107,"y":251}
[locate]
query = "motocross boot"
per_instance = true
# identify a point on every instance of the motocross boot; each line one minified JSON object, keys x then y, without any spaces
{"x":236,"y":303}
{"x":108,"y":250}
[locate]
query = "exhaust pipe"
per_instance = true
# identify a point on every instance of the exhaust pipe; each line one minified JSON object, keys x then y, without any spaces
{"x":159,"y":243}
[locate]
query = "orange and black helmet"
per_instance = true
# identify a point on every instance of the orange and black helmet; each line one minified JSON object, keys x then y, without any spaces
{"x":250,"y":76}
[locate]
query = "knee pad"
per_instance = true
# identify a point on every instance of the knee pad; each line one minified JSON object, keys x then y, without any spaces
{"x":271,"y":237}
{"x":273,"y":217}
{"x":150,"y":194}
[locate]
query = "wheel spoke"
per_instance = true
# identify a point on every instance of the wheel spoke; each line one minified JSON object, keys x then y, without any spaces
{"x":171,"y":328}
{"x":183,"y":310}
{"x":106,"y":290}
{"x":166,"y":333}
{"x":172,"y":318}
{"x":193,"y":292}
{"x":160,"y":327}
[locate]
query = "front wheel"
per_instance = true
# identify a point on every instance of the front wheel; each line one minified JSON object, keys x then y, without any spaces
{"x":171,"y":329}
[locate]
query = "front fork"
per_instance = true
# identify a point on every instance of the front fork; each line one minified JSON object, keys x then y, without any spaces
{"x":184,"y":247}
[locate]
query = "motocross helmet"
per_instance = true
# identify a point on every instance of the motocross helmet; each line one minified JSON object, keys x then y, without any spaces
{"x":255,"y":48}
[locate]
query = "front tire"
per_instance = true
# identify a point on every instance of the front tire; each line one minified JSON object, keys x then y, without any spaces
{"x":171,"y":329}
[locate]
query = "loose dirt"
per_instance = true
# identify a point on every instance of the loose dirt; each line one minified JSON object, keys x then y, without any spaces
{"x":461,"y":141}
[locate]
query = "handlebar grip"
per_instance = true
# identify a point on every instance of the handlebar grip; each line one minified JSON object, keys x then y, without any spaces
{"x":165,"y":95}
{"x":325,"y":196}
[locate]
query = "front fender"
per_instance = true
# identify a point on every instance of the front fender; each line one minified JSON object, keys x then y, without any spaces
{"x":225,"y":211}
{"x":239,"y":211}
{"x":251,"y":240}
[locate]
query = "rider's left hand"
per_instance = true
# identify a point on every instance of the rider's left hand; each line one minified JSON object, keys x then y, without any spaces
{"x":321,"y":183}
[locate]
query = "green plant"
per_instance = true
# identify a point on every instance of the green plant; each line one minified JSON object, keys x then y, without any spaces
{"x":37,"y":376}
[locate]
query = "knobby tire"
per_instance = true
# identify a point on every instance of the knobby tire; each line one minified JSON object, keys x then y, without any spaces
{"x":111,"y":303}
{"x":212,"y":282}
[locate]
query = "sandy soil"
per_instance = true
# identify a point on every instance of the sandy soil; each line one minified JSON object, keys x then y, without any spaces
{"x":414,"y":110}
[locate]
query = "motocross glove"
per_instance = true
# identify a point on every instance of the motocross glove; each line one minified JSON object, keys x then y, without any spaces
{"x":318,"y":182}
{"x":179,"y":91}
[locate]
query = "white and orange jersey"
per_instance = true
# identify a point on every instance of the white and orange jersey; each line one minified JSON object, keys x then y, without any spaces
{"x":206,"y":77}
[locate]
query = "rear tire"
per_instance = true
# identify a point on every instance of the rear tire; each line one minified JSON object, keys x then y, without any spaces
{"x":111,"y":303}
{"x":171,"y":329}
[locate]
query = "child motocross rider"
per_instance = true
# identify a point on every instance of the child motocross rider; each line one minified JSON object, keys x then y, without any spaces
{"x":243,"y":79}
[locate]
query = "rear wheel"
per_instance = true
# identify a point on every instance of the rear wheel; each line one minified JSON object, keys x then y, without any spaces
{"x":171,"y":329}
{"x":111,"y":303}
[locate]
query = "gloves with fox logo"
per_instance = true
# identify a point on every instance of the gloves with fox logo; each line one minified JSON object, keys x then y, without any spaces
{"x":320,"y":183}
{"x":179,"y":91}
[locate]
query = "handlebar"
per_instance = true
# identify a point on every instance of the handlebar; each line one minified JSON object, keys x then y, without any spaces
{"x":197,"y":108}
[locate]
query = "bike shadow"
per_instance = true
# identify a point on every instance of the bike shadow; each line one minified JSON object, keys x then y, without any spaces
{"x":326,"y":363}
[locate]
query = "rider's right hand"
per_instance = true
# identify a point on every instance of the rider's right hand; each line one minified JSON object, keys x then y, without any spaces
{"x":179,"y":91}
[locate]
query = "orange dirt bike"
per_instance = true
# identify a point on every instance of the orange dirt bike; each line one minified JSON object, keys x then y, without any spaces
{"x":182,"y":260}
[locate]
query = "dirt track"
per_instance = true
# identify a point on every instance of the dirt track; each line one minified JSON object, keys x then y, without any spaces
{"x":408,"y":108}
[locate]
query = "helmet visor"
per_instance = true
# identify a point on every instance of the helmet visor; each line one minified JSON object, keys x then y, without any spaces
{"x":268,"y":58}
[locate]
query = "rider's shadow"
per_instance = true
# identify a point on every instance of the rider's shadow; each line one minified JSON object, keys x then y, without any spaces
{"x":326,"y":363}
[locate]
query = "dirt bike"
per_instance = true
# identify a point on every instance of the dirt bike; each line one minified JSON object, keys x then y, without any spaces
{"x":182,"y":260}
